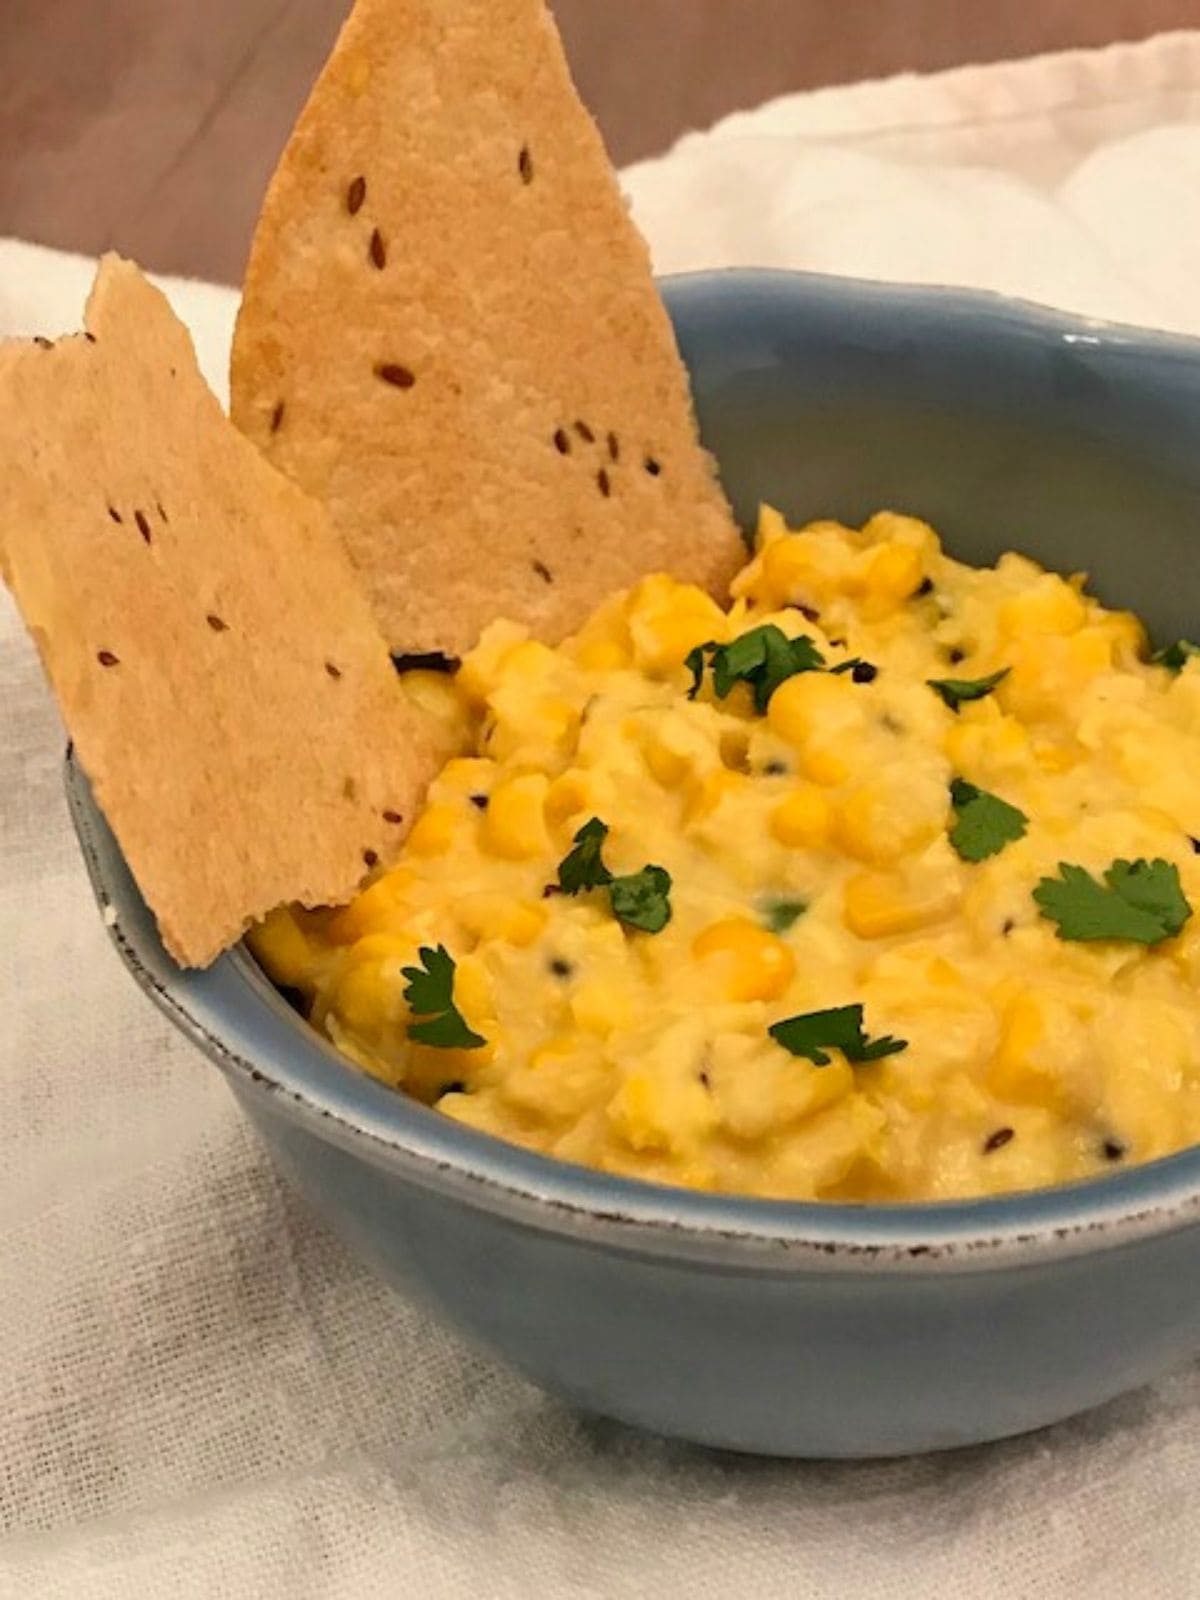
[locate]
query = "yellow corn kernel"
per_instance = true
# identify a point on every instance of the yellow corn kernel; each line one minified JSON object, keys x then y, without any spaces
{"x":528,"y":660}
{"x":876,"y":905}
{"x":282,"y":948}
{"x":368,"y":997}
{"x":601,"y":655}
{"x":600,"y":1005}
{"x":893,"y":527}
{"x":434,"y":830}
{"x":491,"y":915}
{"x":710,"y":791}
{"x":1056,"y":758}
{"x":891,"y":575}
{"x":757,"y":964}
{"x":668,"y":766}
{"x":668,"y":619}
{"x":465,"y":775}
{"x":825,"y":766}
{"x":802,"y":818}
{"x":983,"y":737}
{"x":374,"y":909}
{"x":514,"y":824}
{"x":567,"y":796}
{"x":481,"y":668}
{"x":1022,"y":1068}
{"x":876,"y":825}
{"x":808,"y":704}
{"x":791,"y":572}
{"x":1049,"y":605}
{"x":473,"y":993}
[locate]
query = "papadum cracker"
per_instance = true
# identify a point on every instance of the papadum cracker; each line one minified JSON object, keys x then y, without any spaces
{"x":450,"y":335}
{"x":216,"y":663}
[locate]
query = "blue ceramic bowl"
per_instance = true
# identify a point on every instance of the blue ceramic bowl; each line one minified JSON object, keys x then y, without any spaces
{"x":792,"y":1329}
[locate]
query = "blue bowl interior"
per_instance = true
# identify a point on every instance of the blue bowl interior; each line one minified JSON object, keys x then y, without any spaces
{"x":1005,"y":427}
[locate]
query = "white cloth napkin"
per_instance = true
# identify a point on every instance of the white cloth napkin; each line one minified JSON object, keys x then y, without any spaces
{"x":201,"y":1395}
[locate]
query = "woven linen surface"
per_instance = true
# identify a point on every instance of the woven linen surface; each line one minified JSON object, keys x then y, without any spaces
{"x":201,"y":1394}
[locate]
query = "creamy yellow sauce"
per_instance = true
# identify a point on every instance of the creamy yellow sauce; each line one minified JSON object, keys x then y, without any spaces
{"x":1030,"y":1059}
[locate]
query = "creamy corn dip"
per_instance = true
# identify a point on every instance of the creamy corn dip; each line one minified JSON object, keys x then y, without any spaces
{"x":932,"y":824}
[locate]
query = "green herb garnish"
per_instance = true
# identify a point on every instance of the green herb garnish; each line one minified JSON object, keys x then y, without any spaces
{"x":643,"y":899}
{"x":984,"y":823}
{"x":639,"y":899}
{"x":1176,"y":656}
{"x":780,"y":915}
{"x":1138,"y":900}
{"x":956,"y":691}
{"x":430,"y":997}
{"x":583,"y":868}
{"x":814,"y":1033}
{"x":764,"y":658}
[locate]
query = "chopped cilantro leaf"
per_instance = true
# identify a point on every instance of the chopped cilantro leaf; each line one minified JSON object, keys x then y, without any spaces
{"x":1176,"y":656}
{"x":430,"y":997}
{"x":780,"y":915}
{"x":955,"y":691}
{"x":582,"y":868}
{"x":814,"y":1033}
{"x":764,"y":658}
{"x":1138,"y":900}
{"x":642,"y":899}
{"x":638,"y":899}
{"x":984,"y":823}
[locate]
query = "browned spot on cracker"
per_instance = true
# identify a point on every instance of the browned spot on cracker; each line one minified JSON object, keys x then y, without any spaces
{"x":333,"y":670}
{"x":614,"y":447}
{"x":143,"y":524}
{"x":349,"y":788}
{"x":90,"y":337}
{"x":652,"y":466}
{"x":216,"y":623}
{"x":107,"y":659}
{"x":115,"y":514}
{"x":393,"y":816}
{"x":370,"y":857}
{"x":392,"y":372}
{"x":543,"y":571}
{"x":525,"y":165}
{"x":42,"y":342}
{"x":584,"y":432}
{"x":277,"y":416}
{"x":603,"y":484}
{"x":356,"y":194}
{"x":377,"y":250}
{"x":562,"y":441}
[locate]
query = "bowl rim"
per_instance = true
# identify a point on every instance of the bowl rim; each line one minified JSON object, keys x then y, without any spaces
{"x":237,"y":1018}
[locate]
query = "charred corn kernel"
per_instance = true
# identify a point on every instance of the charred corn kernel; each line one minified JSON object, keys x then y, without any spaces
{"x":1049,"y":605}
{"x":802,"y":818}
{"x":373,"y":910}
{"x":890,"y":576}
{"x":481,"y":668}
{"x":514,"y":824}
{"x":876,"y":905}
{"x":282,"y":947}
{"x":487,"y":914}
{"x":757,"y":965}
{"x":668,"y":619}
{"x":601,"y":1005}
{"x":569,"y":794}
{"x":804,"y":707}
{"x":434,"y":830}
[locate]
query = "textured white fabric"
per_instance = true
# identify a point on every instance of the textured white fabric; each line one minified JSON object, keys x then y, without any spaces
{"x":201,"y":1395}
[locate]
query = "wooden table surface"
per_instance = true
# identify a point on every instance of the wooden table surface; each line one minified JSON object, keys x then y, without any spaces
{"x":152,"y":125}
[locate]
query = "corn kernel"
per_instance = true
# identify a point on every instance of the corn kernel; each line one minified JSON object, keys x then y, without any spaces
{"x":824,"y":766}
{"x":377,"y":907}
{"x":367,"y":998}
{"x":481,"y":668}
{"x":465,"y":775}
{"x":282,"y":948}
{"x":601,"y":655}
{"x":807,"y":705}
{"x":792,"y":571}
{"x":802,"y":818}
{"x":600,"y":1005}
{"x":1049,"y":605}
{"x":569,"y":794}
{"x":890,"y":576}
{"x":473,"y":993}
{"x":758,"y":965}
{"x":434,"y":830}
{"x":514,"y":824}
{"x":879,"y":825}
{"x":529,"y":660}
{"x":1022,"y":1067}
{"x":876,"y":905}
{"x":709,"y":793}
{"x":668,"y":619}
{"x":490,"y":915}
